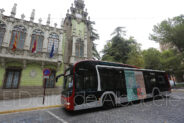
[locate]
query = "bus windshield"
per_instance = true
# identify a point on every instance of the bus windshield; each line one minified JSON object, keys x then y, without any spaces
{"x":68,"y":83}
{"x":68,"y":80}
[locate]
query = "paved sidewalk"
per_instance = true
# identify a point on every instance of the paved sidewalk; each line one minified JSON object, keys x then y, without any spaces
{"x":178,"y":90}
{"x":29,"y":103}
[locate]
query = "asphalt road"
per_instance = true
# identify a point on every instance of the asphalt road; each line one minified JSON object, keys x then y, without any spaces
{"x":166,"y":110}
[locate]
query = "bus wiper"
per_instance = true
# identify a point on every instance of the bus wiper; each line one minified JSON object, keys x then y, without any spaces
{"x":57,"y":77}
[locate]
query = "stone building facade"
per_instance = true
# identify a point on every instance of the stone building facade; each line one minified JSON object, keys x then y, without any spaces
{"x":21,"y":69}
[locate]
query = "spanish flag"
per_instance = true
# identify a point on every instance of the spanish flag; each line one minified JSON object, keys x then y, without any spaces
{"x":34,"y":46}
{"x":15,"y":43}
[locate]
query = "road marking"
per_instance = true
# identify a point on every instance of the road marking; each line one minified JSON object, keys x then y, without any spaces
{"x":58,"y":118}
{"x":29,"y":109}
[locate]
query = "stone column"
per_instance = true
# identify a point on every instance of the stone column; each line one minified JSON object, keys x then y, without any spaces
{"x":28,"y":39}
{"x":45,"y":42}
{"x":60,"y":44}
{"x":85,"y":43}
{"x":7,"y":36}
{"x":73,"y":46}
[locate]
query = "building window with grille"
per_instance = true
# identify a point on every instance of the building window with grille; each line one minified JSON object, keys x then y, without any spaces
{"x":53,"y":40}
{"x":37,"y":38}
{"x":2,"y":32}
{"x":18,"y":35}
{"x":79,"y":48}
{"x":50,"y":83}
{"x":12,"y":78}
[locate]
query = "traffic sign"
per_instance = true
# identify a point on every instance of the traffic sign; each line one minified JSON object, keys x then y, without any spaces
{"x":46,"y":77}
{"x":46,"y":72}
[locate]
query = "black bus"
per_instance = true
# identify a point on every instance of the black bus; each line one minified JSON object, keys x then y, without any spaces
{"x":90,"y":84}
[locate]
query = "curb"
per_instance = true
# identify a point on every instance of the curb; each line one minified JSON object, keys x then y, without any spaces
{"x":30,"y":109}
{"x":178,"y":90}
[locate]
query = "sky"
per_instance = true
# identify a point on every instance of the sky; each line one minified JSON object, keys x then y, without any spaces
{"x":138,"y":16}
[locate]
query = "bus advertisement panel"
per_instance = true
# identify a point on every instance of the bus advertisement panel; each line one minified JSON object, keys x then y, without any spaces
{"x":141,"y":91}
{"x":131,"y":85}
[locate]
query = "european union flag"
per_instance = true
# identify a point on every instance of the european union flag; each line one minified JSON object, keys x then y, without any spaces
{"x":52,"y":51}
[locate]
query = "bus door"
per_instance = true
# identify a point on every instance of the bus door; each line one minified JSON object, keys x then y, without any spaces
{"x":86,"y":88}
{"x":113,"y":79}
{"x":150,"y":81}
{"x":163,"y":84}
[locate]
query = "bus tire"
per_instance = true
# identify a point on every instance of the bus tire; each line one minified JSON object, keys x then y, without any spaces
{"x":108,"y":101}
{"x":156,"y":94}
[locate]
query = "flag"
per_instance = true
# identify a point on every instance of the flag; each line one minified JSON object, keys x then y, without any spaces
{"x":15,"y":43}
{"x":52,"y":51}
{"x":34,"y":46}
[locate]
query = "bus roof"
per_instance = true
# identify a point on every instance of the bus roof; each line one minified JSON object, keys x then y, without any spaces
{"x":115,"y":65}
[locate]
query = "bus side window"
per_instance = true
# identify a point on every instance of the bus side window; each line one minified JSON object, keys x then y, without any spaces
{"x":150,"y":81}
{"x":112,"y":79}
{"x":161,"y":79}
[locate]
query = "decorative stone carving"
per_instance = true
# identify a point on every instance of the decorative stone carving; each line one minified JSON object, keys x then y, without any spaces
{"x":43,"y":56}
{"x":55,"y":25}
{"x":40,"y":20}
{"x":2,"y":11}
{"x":24,"y":63}
{"x":13,"y":12}
{"x":16,"y":52}
{"x":48,"y":19}
{"x":3,"y":62}
{"x":35,"y":55}
{"x":33,"y":73}
{"x":32,"y":15}
{"x":43,"y":64}
{"x":22,"y":16}
{"x":62,"y":23}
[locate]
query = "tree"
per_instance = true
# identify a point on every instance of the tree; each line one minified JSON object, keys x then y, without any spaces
{"x":119,"y":31}
{"x":118,"y":48}
{"x":135,"y":56}
{"x":96,"y":55}
{"x":172,"y":63}
{"x":152,"y":59}
{"x":94,"y":36}
{"x":170,"y":32}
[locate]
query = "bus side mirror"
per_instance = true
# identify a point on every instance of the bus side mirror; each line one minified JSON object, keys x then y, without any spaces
{"x":57,"y":77}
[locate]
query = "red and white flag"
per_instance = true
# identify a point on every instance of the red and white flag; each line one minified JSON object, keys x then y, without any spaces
{"x":34,"y":46}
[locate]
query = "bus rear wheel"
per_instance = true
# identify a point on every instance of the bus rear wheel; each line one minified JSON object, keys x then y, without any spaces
{"x":156,"y":94}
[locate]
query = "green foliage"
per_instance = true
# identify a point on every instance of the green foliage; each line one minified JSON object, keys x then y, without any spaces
{"x":117,"y":49}
{"x":96,"y":55}
{"x":135,"y":56}
{"x":152,"y":59}
{"x":119,"y":31}
{"x":167,"y":60}
{"x":94,"y":36}
{"x":170,"y":32}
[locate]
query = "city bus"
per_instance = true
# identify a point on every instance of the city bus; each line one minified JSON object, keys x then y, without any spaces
{"x":90,"y":84}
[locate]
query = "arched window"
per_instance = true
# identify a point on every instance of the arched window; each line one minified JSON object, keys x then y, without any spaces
{"x":53,"y":40}
{"x":2,"y":32}
{"x":79,"y":48}
{"x":38,"y":37}
{"x":19,"y":32}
